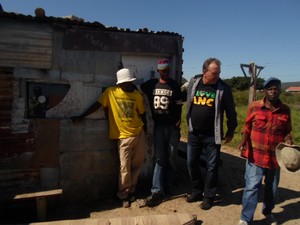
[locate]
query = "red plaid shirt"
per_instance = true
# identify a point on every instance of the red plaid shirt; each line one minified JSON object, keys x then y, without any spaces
{"x":267,"y":129}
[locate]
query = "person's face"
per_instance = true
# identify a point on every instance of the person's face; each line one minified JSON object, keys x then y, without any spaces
{"x":212,"y":74}
{"x":127,"y":86}
{"x":272,"y":93}
{"x":164,"y":74}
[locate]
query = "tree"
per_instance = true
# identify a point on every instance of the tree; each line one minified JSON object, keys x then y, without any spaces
{"x":243,"y":83}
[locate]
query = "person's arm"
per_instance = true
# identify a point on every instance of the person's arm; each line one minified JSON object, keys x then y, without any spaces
{"x":89,"y":111}
{"x":231,"y":115}
{"x":178,"y":104}
{"x":245,"y":139}
{"x":246,"y":130}
{"x":288,"y":139}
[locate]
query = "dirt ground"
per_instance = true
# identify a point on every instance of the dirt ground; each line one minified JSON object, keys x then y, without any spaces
{"x":227,"y":207}
{"x":228,"y":204}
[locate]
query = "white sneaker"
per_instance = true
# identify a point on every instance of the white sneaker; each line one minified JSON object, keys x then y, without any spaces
{"x":271,"y":219}
{"x":242,"y":222}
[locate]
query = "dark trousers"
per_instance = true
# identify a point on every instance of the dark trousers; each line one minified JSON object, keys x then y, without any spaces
{"x":166,"y":140}
{"x":203,"y":159}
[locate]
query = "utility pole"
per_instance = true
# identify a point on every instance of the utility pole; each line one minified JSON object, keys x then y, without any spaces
{"x":252,"y":70}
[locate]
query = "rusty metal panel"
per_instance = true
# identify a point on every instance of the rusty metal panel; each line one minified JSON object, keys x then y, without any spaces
{"x":14,"y":144}
{"x":47,"y":143}
{"x":103,"y":40}
{"x":16,"y":149}
{"x":6,"y":96}
{"x":30,"y":148}
{"x":26,"y":45}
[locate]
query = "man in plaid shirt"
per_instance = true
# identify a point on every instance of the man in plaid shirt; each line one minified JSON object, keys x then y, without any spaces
{"x":267,"y":124}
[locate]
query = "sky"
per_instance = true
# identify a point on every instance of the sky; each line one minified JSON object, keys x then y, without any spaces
{"x":264,"y":32}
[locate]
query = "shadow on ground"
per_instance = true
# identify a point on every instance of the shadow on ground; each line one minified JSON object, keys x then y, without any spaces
{"x":231,"y":183}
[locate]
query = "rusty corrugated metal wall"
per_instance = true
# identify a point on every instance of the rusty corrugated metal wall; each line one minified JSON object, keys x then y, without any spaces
{"x":13,"y":142}
{"x":6,"y":97}
{"x":25,"y":45}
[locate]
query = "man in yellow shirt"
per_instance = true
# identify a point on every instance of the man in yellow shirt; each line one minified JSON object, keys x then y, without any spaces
{"x":126,"y":114}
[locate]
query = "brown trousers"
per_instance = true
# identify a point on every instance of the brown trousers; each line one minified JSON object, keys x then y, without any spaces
{"x":131,"y":154}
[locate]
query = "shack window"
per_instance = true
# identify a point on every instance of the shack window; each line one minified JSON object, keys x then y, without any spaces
{"x":44,"y":96}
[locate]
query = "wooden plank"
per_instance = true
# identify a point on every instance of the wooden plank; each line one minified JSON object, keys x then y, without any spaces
{"x":40,"y":198}
{"x":164,"y":219}
{"x":41,"y":201}
{"x":39,"y":194}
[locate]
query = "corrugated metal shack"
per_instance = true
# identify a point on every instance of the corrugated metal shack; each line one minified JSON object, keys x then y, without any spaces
{"x":53,"y":68}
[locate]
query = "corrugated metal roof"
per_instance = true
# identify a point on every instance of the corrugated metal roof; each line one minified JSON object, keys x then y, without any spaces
{"x":73,"y":21}
{"x":291,"y":89}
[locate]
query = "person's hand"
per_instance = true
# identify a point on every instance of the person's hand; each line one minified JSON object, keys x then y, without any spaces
{"x":288,"y":140}
{"x":241,"y":146}
{"x":227,"y":139}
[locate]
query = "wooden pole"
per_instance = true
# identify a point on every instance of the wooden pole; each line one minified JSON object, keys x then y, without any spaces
{"x":253,"y":77}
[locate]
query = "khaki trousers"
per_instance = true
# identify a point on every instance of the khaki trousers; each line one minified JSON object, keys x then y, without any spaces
{"x":131,"y":155}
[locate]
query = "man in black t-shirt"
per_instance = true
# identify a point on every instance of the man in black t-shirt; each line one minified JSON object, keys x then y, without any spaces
{"x":207,"y":99}
{"x":165,"y":101}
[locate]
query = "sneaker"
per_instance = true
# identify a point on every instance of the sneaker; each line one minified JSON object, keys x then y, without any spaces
{"x":153,"y":200}
{"x":194,"y":197}
{"x":206,"y":204}
{"x":270,"y":219}
{"x":242,"y":222}
{"x":125,"y":203}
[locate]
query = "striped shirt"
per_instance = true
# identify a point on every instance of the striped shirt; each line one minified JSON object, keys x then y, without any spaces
{"x":267,"y":129}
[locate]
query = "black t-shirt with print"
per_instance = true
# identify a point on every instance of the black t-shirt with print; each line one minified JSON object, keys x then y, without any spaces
{"x":162,"y":98}
{"x":203,"y":109}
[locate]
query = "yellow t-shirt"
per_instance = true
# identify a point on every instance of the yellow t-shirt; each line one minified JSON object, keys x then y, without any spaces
{"x":124,"y":110}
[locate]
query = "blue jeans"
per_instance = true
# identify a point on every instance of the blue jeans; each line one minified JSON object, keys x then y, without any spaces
{"x":166,"y":140}
{"x":253,"y":178}
{"x":203,"y":160}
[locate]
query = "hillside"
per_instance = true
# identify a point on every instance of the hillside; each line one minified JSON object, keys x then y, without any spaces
{"x":285,"y":85}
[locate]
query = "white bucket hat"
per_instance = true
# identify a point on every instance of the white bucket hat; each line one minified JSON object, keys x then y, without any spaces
{"x":288,"y":157}
{"x":125,"y":75}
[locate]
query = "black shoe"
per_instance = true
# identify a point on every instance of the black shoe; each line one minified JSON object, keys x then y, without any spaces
{"x":153,"y":200}
{"x":194,"y":197}
{"x":131,"y":197}
{"x":206,"y":204}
